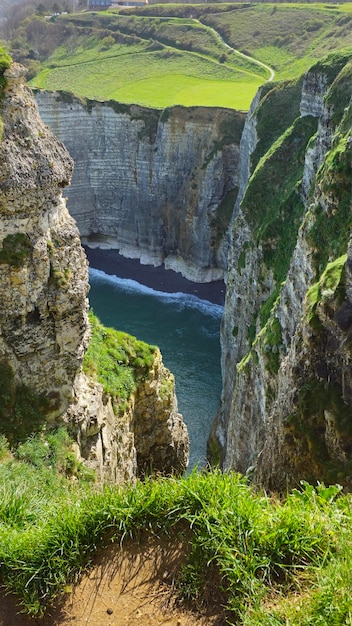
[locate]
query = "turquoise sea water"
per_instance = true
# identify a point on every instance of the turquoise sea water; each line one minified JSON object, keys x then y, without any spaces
{"x":185,"y":328}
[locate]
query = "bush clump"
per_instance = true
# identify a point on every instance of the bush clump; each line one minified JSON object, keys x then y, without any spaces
{"x":15,"y":249}
{"x":5,"y":62}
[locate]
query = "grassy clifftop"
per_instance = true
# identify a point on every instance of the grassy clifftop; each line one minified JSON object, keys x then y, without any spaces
{"x":277,"y":562}
{"x":163,"y":55}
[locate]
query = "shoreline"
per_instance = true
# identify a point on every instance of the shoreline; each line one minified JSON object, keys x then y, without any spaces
{"x":158,"y":278}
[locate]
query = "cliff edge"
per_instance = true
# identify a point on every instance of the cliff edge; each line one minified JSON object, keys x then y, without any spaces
{"x":44,"y":328}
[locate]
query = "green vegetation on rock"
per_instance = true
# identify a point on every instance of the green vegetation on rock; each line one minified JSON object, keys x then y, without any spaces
{"x":15,"y":249}
{"x":317,"y":399}
{"x":330,"y":232}
{"x":117,"y":361}
{"x":22,"y":410}
{"x":331,"y":281}
{"x":279,"y":102}
{"x":5,"y":62}
{"x":272,"y":203}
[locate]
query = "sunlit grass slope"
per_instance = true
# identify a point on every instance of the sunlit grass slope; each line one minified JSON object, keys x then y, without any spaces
{"x":210,"y":55}
{"x":288,"y":37}
{"x":137,"y":73}
{"x":156,"y":79}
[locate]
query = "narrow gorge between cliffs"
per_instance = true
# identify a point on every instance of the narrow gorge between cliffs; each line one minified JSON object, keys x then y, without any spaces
{"x":158,"y":187}
{"x":184,"y":326}
{"x":263,"y":201}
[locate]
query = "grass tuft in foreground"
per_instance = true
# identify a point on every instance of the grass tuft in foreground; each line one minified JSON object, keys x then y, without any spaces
{"x":261,"y":550}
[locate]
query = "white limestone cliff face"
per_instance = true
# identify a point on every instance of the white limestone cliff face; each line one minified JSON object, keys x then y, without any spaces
{"x":240,"y":288}
{"x":273,"y":362}
{"x":44,"y":328}
{"x":157,"y":186}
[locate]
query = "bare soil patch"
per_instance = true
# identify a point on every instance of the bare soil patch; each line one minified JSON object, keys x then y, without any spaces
{"x":133,"y":585}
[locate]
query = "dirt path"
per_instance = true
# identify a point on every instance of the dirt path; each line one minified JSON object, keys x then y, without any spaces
{"x":133,"y":586}
{"x":241,"y":54}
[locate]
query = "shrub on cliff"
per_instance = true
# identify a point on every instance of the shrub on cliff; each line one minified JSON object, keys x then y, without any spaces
{"x":5,"y":62}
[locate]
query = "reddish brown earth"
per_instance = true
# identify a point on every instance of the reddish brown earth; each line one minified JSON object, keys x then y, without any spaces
{"x":129,"y":586}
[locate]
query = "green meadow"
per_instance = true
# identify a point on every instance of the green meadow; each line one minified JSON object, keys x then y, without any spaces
{"x":164,"y":55}
{"x":153,"y":79}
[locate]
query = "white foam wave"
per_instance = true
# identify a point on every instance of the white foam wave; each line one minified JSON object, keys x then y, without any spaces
{"x":184,"y":300}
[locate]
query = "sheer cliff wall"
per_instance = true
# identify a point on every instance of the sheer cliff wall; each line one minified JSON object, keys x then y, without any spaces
{"x":43,"y":269}
{"x":286,"y":351}
{"x":44,"y":328}
{"x":156,"y":185}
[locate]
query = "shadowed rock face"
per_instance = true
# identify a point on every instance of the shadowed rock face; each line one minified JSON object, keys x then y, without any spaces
{"x":286,"y":350}
{"x":44,"y":329}
{"x":158,"y":186}
{"x":43,"y":270}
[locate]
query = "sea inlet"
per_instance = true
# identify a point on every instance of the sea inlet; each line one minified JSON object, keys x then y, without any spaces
{"x":182,"y":318}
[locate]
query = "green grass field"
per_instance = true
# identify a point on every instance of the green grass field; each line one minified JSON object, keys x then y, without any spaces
{"x":289,"y":38}
{"x":210,"y":55}
{"x":153,"y":79}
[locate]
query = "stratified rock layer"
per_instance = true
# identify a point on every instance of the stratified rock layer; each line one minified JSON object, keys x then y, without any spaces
{"x":156,"y":185}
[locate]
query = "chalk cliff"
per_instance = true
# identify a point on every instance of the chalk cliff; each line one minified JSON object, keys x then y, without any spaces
{"x":172,"y":179}
{"x":286,"y":356}
{"x":156,"y":185}
{"x":44,"y":329}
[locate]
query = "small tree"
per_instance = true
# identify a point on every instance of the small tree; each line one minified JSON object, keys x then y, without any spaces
{"x":107,"y":42}
{"x":40,"y":10}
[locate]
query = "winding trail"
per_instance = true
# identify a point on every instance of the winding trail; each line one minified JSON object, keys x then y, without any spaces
{"x":241,"y":54}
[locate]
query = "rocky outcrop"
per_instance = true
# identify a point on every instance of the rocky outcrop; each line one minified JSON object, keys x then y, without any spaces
{"x":286,"y":367}
{"x":44,"y":329}
{"x":156,"y":185}
{"x":43,"y":270}
{"x":149,"y":436}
